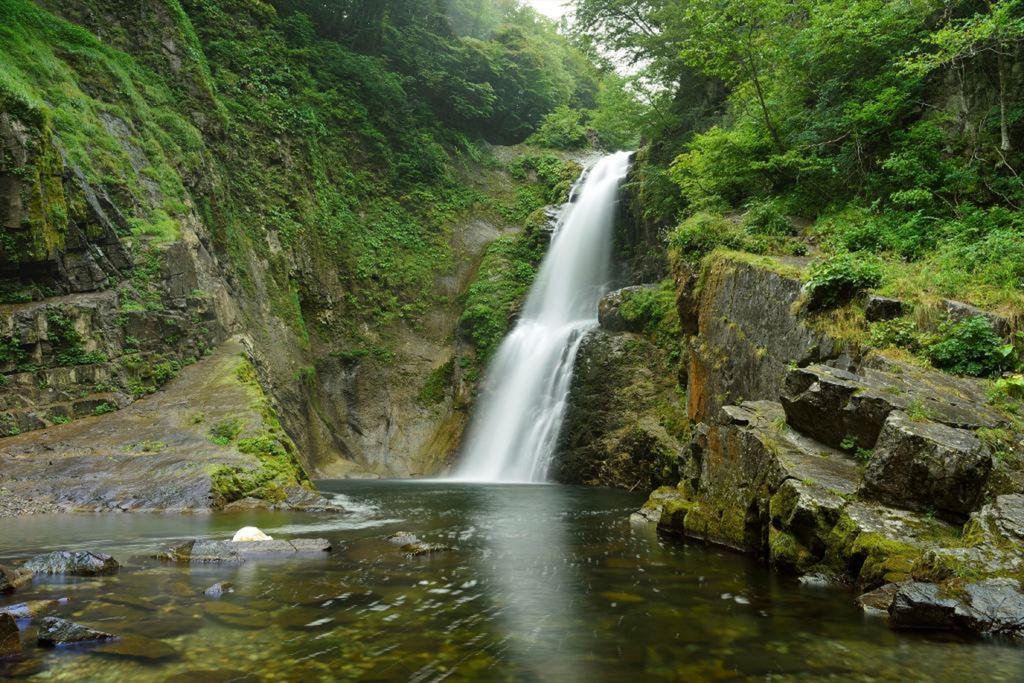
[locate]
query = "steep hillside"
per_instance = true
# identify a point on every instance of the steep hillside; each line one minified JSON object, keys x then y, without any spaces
{"x":173,"y":173}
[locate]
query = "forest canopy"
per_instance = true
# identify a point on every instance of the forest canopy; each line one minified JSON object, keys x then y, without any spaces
{"x":846,"y":126}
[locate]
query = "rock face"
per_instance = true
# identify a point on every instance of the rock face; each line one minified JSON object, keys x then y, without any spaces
{"x":240,"y":551}
{"x":622,"y":423}
{"x":201,"y":442}
{"x":10,"y":637}
{"x":854,"y":468}
{"x":927,"y":464}
{"x":747,"y":335}
{"x":54,"y":631}
{"x":73,"y":563}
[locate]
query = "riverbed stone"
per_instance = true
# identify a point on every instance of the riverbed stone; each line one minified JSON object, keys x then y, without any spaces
{"x":139,"y":648}
{"x":219,"y":589}
{"x":56,"y":631}
{"x":250,"y":533}
{"x":13,"y":578}
{"x":73,"y":563}
{"x":31,"y":608}
{"x":879,"y":601}
{"x":10,"y":637}
{"x":200,"y":551}
{"x":423,"y":548}
{"x":925,"y":465}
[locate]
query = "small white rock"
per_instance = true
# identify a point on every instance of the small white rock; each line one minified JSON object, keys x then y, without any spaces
{"x":250,"y":533}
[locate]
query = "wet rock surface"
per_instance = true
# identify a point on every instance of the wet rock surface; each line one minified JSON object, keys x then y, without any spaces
{"x":621,"y":421}
{"x":927,"y":465}
{"x":833,"y":405}
{"x":56,"y":631}
{"x":10,"y":637}
{"x":991,"y":607}
{"x":73,"y":563}
{"x":155,"y":455}
{"x":12,"y":578}
{"x":863,"y":472}
{"x":202,"y":551}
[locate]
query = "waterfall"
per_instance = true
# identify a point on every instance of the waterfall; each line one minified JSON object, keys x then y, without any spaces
{"x":512,"y":435}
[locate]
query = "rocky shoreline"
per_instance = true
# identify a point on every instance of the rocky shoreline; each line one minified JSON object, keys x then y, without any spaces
{"x":831,"y":462}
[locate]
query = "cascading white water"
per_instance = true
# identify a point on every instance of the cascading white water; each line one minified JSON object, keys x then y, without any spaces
{"x":512,"y":436}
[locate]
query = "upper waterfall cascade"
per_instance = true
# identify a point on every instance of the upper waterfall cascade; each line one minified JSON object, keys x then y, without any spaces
{"x":512,"y":436}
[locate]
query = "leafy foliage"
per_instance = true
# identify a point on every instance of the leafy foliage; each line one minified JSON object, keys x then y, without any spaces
{"x":971,"y":347}
{"x":836,"y":279}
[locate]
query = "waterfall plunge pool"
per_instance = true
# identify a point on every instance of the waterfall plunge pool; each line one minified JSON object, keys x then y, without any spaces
{"x":547,"y":583}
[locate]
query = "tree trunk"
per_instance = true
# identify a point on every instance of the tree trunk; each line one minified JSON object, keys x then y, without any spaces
{"x":1004,"y":128}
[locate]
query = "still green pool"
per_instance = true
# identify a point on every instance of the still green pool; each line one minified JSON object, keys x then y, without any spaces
{"x":546,"y":583}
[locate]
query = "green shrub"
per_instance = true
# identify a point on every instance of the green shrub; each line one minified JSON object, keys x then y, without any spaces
{"x":562,"y":128}
{"x":901,"y":333}
{"x":971,"y":347}
{"x":765,"y":218}
{"x":838,"y":278}
{"x":702,"y":233}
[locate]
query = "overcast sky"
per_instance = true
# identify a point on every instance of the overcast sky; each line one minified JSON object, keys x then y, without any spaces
{"x":552,"y":8}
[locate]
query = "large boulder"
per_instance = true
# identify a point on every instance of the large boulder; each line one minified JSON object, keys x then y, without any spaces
{"x":926,"y":465}
{"x":56,"y":631}
{"x":882,"y":308}
{"x":11,"y":579}
{"x":623,"y":422}
{"x":74,"y":563}
{"x":10,"y":638}
{"x":837,"y":407}
{"x":993,"y":607}
{"x":610,"y":310}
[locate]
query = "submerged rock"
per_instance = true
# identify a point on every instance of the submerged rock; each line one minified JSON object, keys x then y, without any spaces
{"x":55,"y":631}
{"x":10,"y":579}
{"x":75,"y":563}
{"x":250,"y":533}
{"x":219,"y":589}
{"x":30,"y":609}
{"x":138,"y":648}
{"x":10,"y":638}
{"x":423,"y":548}
{"x":925,"y":465}
{"x":403,"y":538}
{"x":240,"y":551}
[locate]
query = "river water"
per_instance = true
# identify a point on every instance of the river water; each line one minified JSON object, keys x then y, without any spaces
{"x":547,"y":583}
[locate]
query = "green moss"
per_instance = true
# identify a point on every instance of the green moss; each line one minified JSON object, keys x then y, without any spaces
{"x":786,"y":553}
{"x":438,"y":382}
{"x":225,"y":431}
{"x":505,"y":275}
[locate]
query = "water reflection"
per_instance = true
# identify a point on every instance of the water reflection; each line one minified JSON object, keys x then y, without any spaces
{"x":546,"y":583}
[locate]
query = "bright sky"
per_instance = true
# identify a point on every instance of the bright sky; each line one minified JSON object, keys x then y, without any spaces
{"x":552,"y":8}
